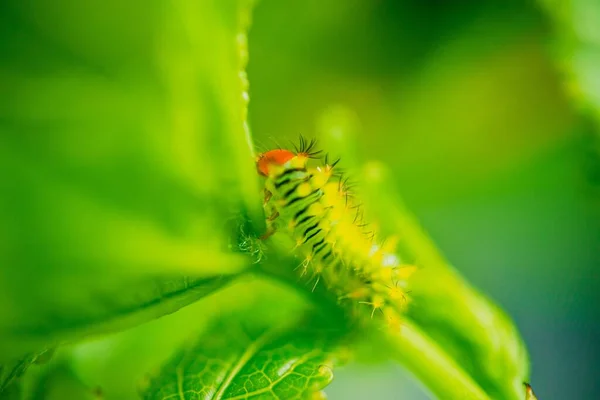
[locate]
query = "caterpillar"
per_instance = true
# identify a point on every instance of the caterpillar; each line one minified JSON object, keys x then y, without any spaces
{"x":315,"y":207}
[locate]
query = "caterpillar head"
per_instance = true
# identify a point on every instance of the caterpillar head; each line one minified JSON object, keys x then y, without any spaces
{"x":279,"y":158}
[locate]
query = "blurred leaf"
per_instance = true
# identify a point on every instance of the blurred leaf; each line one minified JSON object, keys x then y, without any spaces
{"x":12,"y":392}
{"x":11,"y":371}
{"x":472,"y":330}
{"x":468,"y":89}
{"x":251,"y":356}
{"x":117,"y":362}
{"x":577,"y":48}
{"x":124,"y":154}
{"x":458,"y":343}
{"x":94,"y":310}
{"x":468,"y":338}
{"x":59,"y":382}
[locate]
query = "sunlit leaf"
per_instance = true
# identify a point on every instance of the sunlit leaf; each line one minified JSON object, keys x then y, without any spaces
{"x":471,"y":338}
{"x":576,"y":45}
{"x":119,"y":361}
{"x":125,"y":155}
{"x":247,"y":357}
{"x":455,"y":340}
{"x":59,"y":382}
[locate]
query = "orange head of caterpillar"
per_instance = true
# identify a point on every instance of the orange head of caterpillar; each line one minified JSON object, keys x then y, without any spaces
{"x":280,"y":157}
{"x":267,"y":160}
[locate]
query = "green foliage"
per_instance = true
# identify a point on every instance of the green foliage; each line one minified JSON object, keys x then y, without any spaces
{"x":576,"y":46}
{"x":244,"y":357}
{"x":118,"y":363}
{"x":462,"y":323}
{"x":12,"y":392}
{"x":451,"y":330}
{"x":129,"y":161}
{"x":10,"y":372}
{"x":60,"y":382}
{"x":114,"y":133}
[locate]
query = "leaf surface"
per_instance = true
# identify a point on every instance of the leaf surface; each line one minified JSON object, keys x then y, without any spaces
{"x":576,"y":45}
{"x":472,"y":341}
{"x":453,"y":339}
{"x":241,"y":357}
{"x":125,"y":155}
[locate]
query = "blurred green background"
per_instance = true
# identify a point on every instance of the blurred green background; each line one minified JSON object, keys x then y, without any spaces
{"x":116,"y":117}
{"x":466,"y":102}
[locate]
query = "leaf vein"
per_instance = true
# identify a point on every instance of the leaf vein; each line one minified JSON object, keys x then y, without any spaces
{"x":287,"y":373}
{"x":250,"y":351}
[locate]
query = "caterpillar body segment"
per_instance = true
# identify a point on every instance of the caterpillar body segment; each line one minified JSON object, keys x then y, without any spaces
{"x":313,"y":205}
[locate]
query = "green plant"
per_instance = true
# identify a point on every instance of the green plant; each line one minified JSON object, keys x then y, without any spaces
{"x":111,"y":225}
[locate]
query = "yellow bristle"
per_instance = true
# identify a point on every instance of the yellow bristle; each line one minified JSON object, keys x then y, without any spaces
{"x":396,"y":293}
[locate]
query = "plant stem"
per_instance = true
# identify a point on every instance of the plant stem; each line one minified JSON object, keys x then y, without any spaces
{"x":408,"y":346}
{"x":430,"y":364}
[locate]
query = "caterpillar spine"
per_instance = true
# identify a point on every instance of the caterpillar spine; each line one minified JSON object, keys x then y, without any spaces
{"x":315,"y":207}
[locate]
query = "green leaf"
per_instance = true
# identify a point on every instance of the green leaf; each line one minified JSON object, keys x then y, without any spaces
{"x":11,"y":371}
{"x":245,"y":356}
{"x":577,"y":48}
{"x":455,"y":340}
{"x":100,"y":314}
{"x":467,"y":343}
{"x":12,"y":392}
{"x":125,"y":154}
{"x":57,"y":382}
{"x":117,"y":362}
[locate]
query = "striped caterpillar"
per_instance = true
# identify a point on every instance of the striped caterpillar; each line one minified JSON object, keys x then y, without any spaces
{"x":314,"y":206}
